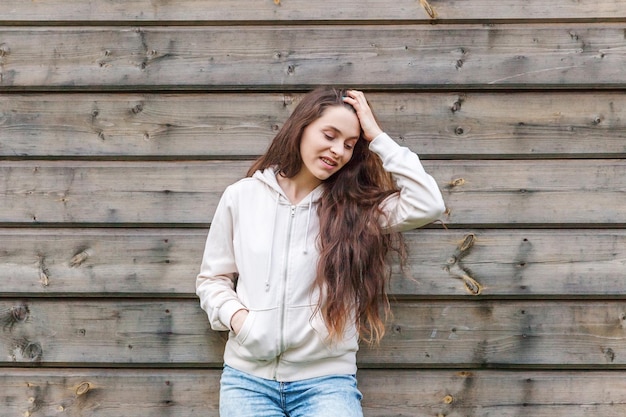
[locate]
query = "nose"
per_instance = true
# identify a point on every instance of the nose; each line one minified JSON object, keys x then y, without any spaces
{"x":337,"y":149}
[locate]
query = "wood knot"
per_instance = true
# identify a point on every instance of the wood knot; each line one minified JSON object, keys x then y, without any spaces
{"x":457,"y":182}
{"x":26,"y":351}
{"x":44,"y":273}
{"x":609,"y":354}
{"x":33,"y":351}
{"x":454,"y":265}
{"x":79,"y":258}
{"x":83,"y":388}
{"x":429,"y":9}
{"x":10,"y":318}
{"x":472,"y":285}
{"x":20,"y":313}
{"x":468,"y":242}
{"x":137,"y":108}
{"x":448,"y":399}
{"x":287,"y":100}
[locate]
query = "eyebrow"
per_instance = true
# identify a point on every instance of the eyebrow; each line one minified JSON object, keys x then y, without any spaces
{"x":339,"y":131}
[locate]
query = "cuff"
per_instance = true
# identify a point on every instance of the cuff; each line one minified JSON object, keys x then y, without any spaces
{"x":228,"y":309}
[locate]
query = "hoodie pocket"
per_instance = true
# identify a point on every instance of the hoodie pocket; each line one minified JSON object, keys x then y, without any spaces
{"x":257,"y":337}
{"x":309,"y":339}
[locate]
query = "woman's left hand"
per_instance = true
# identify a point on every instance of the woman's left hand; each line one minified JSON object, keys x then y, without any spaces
{"x":368,"y":123}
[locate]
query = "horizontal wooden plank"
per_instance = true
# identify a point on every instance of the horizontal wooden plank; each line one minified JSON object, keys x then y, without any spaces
{"x":442,"y":263}
{"x":515,"y":263}
{"x":440,"y":125}
{"x":530,"y":192}
{"x":423,"y":334}
{"x":537,"y":192}
{"x":67,"y":262}
{"x":267,"y":57}
{"x":302,"y":10}
{"x":108,"y":332}
{"x":187,"y":191}
{"x":191,"y":393}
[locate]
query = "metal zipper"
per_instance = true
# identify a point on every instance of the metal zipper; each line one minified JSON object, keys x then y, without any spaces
{"x":292,"y":215}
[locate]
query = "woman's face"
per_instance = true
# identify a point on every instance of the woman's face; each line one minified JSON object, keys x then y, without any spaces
{"x":327,"y":143}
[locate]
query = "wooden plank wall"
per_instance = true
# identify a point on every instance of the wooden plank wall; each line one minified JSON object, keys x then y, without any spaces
{"x":122,"y":122}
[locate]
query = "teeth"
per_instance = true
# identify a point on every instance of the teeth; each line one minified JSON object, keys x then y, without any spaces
{"x":328,"y":161}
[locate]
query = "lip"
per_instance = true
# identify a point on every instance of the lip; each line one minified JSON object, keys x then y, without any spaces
{"x":329,"y":163}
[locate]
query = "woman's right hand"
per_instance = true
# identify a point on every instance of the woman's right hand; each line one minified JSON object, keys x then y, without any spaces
{"x":236,"y":322}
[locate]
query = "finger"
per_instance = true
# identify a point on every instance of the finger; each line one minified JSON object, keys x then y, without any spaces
{"x":359,"y":103}
{"x":356,"y":95}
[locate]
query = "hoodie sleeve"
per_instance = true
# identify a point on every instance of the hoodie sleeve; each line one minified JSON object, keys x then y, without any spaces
{"x":215,"y":284}
{"x":419,"y":201}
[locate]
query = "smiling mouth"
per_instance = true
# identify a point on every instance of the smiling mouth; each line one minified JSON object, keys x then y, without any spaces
{"x":329,"y":162}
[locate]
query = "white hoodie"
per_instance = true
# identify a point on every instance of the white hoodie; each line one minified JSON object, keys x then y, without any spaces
{"x":266,"y":246}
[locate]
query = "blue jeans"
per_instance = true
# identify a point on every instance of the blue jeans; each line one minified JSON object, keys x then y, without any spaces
{"x":243,"y":395}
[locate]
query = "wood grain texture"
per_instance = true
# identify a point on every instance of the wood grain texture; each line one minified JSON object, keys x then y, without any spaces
{"x":267,"y":57}
{"x":121,"y":123}
{"x":402,"y":393}
{"x":302,"y":10}
{"x":222,"y":125}
{"x":85,"y":191}
{"x":574,"y":334}
{"x":531,"y":192}
{"x":425,"y":393}
{"x":164,"y":262}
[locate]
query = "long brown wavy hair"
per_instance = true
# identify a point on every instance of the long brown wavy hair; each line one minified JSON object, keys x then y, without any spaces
{"x":352,"y":270}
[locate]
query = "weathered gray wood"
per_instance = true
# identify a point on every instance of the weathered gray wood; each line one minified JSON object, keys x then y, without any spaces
{"x":302,"y":10}
{"x":120,"y":301}
{"x":164,"y":262}
{"x":266,"y":57}
{"x":518,"y":263}
{"x":542,"y":124}
{"x":90,"y":262}
{"x":107,"y":332}
{"x":500,"y":334}
{"x":542,"y":192}
{"x":114,"y":192}
{"x":169,"y":125}
{"x":433,"y":333}
{"x":109,"y":393}
{"x":539,"y":192}
{"x":422,"y":393}
{"x":491,"y":394}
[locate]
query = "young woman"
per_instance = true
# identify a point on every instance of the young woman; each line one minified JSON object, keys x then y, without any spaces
{"x":295,"y":260}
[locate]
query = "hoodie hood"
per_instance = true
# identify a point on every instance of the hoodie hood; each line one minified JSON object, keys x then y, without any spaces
{"x":268,"y":177}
